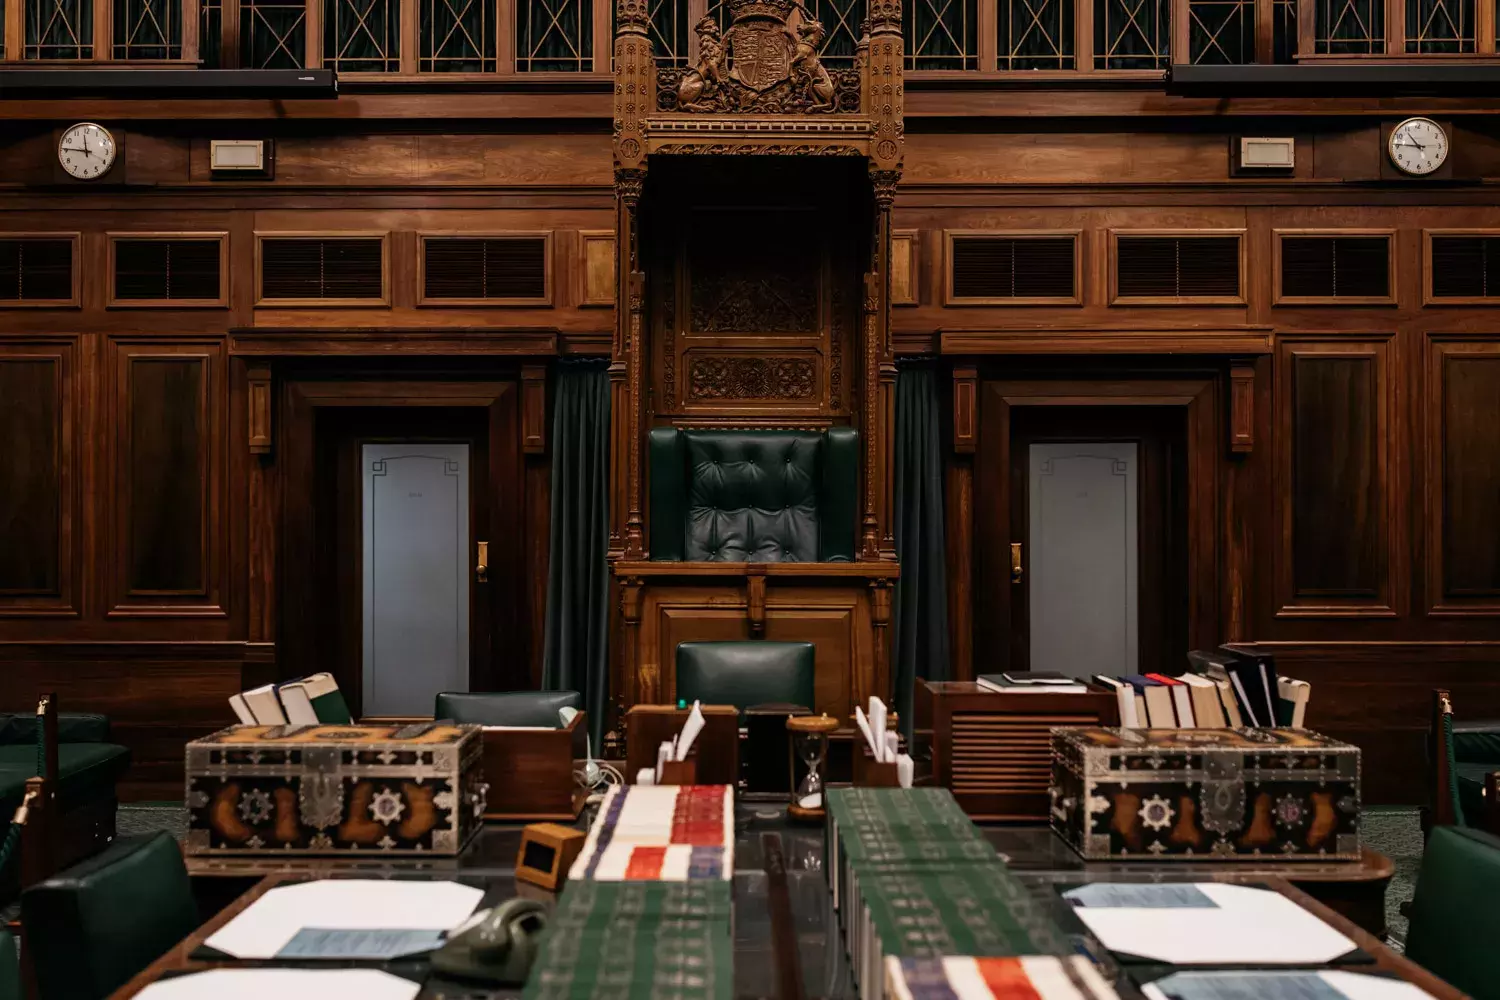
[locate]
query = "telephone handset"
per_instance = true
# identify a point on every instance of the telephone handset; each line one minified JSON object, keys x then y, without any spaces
{"x":496,"y":946}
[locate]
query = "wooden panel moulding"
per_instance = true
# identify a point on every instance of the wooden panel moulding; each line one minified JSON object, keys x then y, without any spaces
{"x":1460,"y":267}
{"x":39,"y":269}
{"x":39,"y":478}
{"x":164,"y":270}
{"x":596,"y":267}
{"x":1016,"y":267}
{"x":1241,"y":408}
{"x":1353,"y":281}
{"x":258,"y":384}
{"x":1462,"y":445}
{"x":324,"y":286}
{"x":965,"y":409}
{"x":905,"y":267}
{"x":462,"y":268}
{"x":1340,"y":545}
{"x":1173,"y":267}
{"x":167,"y":552}
{"x":533,"y":409}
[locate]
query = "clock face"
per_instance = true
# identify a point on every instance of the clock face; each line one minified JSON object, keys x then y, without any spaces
{"x":1418,"y":146}
{"x":86,"y":151}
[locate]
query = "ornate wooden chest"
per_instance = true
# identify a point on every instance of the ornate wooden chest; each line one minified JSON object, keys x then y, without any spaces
{"x":1180,"y":794}
{"x":379,"y":789}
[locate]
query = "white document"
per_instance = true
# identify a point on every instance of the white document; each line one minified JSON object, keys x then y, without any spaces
{"x":283,"y":984}
{"x":1229,"y":925}
{"x":343,"y":904}
{"x":877,"y":727}
{"x":864,"y":727}
{"x":1273,"y":983}
{"x":690,"y":730}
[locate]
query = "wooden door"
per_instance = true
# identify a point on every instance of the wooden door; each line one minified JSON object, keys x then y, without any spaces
{"x":1098,"y":510}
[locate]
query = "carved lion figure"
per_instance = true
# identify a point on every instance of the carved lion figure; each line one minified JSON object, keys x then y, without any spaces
{"x":807,"y":68}
{"x":703,"y":79}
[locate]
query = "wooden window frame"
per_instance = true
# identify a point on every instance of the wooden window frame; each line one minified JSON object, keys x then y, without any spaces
{"x":1112,"y":265}
{"x":549,"y":270}
{"x":1429,"y":299}
{"x":1076,"y":299}
{"x":103,"y":42}
{"x":1395,"y":35}
{"x":1278,"y":299}
{"x":221,"y":301}
{"x":76,"y":301}
{"x":384,"y":302}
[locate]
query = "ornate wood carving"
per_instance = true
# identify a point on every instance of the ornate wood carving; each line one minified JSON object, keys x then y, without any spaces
{"x":720,"y":376}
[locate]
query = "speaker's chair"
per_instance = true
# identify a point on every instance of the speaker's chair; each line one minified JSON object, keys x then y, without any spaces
{"x":753,"y":496}
{"x":746,"y":673}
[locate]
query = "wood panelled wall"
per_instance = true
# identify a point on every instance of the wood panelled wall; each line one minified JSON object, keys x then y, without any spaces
{"x":1356,"y":453}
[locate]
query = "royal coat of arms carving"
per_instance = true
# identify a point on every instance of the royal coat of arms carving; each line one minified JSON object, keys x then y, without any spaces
{"x":768,"y":60}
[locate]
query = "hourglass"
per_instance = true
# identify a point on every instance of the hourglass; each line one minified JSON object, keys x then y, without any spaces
{"x":809,"y":735}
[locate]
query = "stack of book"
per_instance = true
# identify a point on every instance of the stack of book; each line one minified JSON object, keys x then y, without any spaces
{"x":913,"y":878}
{"x":1221,"y":688}
{"x":637,"y":940}
{"x":306,"y":701}
{"x":1031,"y":682}
{"x":1042,"y":977}
{"x":660,"y":833}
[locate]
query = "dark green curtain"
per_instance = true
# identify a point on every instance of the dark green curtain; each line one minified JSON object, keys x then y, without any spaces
{"x":576,"y":655}
{"x":921,"y":640}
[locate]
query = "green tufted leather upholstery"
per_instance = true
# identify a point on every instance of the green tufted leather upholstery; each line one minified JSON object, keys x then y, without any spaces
{"x":506,"y":708}
{"x":753,"y":496}
{"x":89,"y":764}
{"x":10,"y":968}
{"x":1477,"y":741}
{"x":1455,"y":914}
{"x":742,"y":674}
{"x":92,"y":927}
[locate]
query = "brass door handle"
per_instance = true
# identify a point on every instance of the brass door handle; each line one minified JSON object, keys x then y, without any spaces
{"x":1015,"y":562}
{"x":481,"y":572}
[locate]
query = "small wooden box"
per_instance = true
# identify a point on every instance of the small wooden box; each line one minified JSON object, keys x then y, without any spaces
{"x":993,"y":751}
{"x":530,"y":771}
{"x":717,"y":747}
{"x":870,"y":773}
{"x":389,"y":790}
{"x":547,"y":853}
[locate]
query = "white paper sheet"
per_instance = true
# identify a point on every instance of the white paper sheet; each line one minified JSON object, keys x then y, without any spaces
{"x":864,"y":727}
{"x":877,"y":727}
{"x":283,"y":984}
{"x":354,"y":904}
{"x":1245,"y":925}
{"x":690,"y":730}
{"x":1240,"y":985}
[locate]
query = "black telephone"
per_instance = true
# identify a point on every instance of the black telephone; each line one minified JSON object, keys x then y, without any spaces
{"x":496,"y":948}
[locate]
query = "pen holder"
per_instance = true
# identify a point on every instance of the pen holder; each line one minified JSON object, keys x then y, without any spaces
{"x":870,"y":773}
{"x":679,"y":772}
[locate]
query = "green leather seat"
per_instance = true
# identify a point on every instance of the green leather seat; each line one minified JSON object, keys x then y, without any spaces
{"x":10,"y":968}
{"x":1455,"y":914}
{"x":88,"y":764}
{"x":92,"y":927}
{"x":506,"y":708}
{"x":1477,"y":741}
{"x":753,"y":496}
{"x":757,"y":672}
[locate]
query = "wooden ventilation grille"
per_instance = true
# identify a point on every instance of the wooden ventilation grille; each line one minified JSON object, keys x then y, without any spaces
{"x":36,"y":270}
{"x":1465,"y":267}
{"x":512,"y":267}
{"x":1177,"y":267}
{"x":1007,"y":754}
{"x":1012,"y":267}
{"x":1336,"y":267}
{"x":322,"y":269}
{"x":167,"y":270}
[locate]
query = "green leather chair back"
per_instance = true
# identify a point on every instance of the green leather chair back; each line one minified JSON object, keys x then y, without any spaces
{"x":506,"y":708}
{"x":753,"y":496}
{"x":10,"y":968}
{"x":95,"y":925}
{"x":1455,"y":914}
{"x":742,"y":674}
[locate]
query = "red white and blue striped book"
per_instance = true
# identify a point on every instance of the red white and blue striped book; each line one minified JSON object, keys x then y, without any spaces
{"x":660,"y":833}
{"x":1028,"y":978}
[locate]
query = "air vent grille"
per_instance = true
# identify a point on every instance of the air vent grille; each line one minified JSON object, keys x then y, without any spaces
{"x":1007,"y":754}
{"x":1014,"y":267}
{"x":36,"y":270}
{"x":1336,"y":267}
{"x":1465,"y":267}
{"x":500,"y":268}
{"x":1177,"y":267}
{"x":312,"y":269}
{"x":167,"y":270}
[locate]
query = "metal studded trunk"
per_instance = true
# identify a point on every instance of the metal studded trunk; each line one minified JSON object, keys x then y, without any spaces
{"x":1181,"y":794}
{"x":379,"y":790}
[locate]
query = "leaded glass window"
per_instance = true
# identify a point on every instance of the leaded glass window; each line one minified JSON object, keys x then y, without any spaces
{"x":273,"y":34}
{"x":210,"y":33}
{"x":362,"y":36}
{"x":59,"y":29}
{"x":555,"y":36}
{"x":1221,"y":32}
{"x":1036,"y":34}
{"x":1284,"y":31}
{"x":1132,"y":34}
{"x":669,"y":29}
{"x":147,"y":29}
{"x":457,"y":36}
{"x":1350,"y":27}
{"x":1439,"y":26}
{"x":940,"y":34}
{"x":842,"y":22}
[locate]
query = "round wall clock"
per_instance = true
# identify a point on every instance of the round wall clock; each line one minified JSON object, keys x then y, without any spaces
{"x":86,"y":151}
{"x":1418,"y":146}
